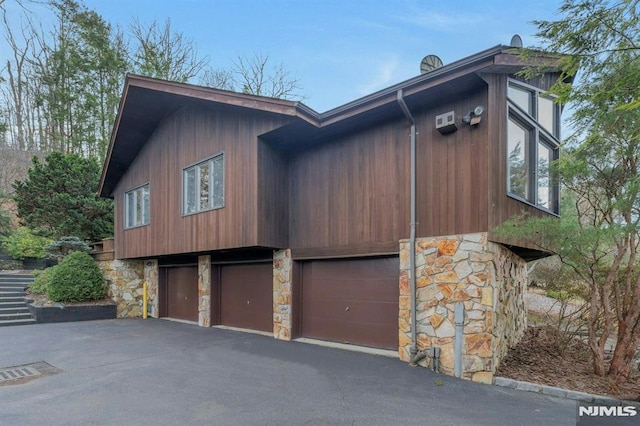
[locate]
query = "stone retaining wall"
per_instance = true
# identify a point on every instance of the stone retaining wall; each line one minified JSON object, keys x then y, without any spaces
{"x":487,"y":278}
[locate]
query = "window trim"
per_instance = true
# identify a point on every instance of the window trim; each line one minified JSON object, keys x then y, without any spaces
{"x":127,"y":207}
{"x":195,"y":165}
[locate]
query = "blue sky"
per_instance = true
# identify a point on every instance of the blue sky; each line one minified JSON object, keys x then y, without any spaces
{"x":340,"y":50}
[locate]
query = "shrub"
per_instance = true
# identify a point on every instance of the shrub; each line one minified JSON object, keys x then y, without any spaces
{"x":59,"y":249}
{"x":41,"y":281}
{"x":24,"y":243}
{"x":76,"y":279}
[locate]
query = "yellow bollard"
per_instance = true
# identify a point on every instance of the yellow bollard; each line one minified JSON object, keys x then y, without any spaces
{"x":144,"y":300}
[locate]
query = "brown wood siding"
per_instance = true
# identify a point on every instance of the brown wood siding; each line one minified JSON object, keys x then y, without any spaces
{"x":351,"y":301}
{"x":273,"y":197}
{"x":181,"y":140}
{"x":352,"y":193}
{"x":452,"y":174}
{"x":246,"y":296}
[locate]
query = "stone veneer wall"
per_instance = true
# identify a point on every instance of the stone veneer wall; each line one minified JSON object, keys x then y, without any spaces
{"x":282,"y":278}
{"x":204,"y":291}
{"x":125,"y":280}
{"x":487,"y":278}
{"x":124,"y":284}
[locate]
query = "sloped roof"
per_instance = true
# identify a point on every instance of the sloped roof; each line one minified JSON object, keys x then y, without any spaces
{"x":145,"y":102}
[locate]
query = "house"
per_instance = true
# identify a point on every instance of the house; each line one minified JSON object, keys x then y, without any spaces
{"x":263,"y":214}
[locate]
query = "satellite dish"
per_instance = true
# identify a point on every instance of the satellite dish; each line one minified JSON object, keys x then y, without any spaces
{"x":430,"y":63}
{"x":516,"y":41}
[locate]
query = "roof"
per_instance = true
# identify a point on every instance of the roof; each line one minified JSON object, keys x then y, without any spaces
{"x":146,"y":101}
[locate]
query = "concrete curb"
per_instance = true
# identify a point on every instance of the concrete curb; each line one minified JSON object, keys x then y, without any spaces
{"x":559,"y":392}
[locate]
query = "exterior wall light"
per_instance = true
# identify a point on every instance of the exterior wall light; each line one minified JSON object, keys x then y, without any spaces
{"x":473,"y":118}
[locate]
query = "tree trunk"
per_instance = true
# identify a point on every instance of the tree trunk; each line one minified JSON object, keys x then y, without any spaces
{"x":626,"y":347}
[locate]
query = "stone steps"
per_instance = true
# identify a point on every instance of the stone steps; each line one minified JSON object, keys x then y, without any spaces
{"x":13,"y":303}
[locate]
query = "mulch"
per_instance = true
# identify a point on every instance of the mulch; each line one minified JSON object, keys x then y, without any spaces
{"x":536,"y":359}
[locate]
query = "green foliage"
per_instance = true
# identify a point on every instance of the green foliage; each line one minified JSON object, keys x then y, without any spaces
{"x":59,"y":198}
{"x":76,"y":279}
{"x":23,"y":243}
{"x":65,"y":245}
{"x":6,"y":226}
{"x":41,"y":281}
{"x":80,"y":79}
{"x":5,"y":222}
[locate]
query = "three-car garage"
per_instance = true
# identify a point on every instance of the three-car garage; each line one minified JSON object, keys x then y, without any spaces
{"x":351,"y":301}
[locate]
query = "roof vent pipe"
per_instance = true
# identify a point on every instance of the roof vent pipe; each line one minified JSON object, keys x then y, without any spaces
{"x":412,"y":227}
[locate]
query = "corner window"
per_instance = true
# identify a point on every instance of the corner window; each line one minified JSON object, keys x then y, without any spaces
{"x":532,"y":145}
{"x":203,"y":186}
{"x":136,"y":206}
{"x":518,"y":159}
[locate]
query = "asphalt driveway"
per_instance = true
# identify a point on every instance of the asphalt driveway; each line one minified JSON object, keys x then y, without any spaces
{"x":157,"y":372}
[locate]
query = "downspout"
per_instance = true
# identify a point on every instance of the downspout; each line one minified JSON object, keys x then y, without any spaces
{"x":415,"y":356}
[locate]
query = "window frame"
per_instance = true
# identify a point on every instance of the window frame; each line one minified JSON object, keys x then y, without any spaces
{"x":538,"y":135}
{"x":210,"y":193}
{"x":137,"y":192}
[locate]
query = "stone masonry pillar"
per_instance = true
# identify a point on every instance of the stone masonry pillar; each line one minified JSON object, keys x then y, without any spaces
{"x":486,"y":278}
{"x":151,"y":278}
{"x":204,"y":291}
{"x":282,"y":280}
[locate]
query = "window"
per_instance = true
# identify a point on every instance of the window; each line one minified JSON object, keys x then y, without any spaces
{"x":136,"y":206}
{"x":533,"y":132}
{"x":203,"y":186}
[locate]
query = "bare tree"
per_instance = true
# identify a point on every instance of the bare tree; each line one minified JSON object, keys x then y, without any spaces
{"x":256,"y":76}
{"x":219,"y":79}
{"x":162,"y":53}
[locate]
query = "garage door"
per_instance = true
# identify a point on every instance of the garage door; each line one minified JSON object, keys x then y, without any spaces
{"x":182,"y":293}
{"x":351,"y":301}
{"x":246,"y":296}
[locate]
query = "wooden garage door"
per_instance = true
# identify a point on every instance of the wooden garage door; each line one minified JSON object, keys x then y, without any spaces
{"x":351,"y":301}
{"x":182,"y":293}
{"x":246,"y":296}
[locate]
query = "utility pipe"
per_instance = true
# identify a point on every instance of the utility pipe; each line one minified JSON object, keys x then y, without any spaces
{"x":415,"y":357}
{"x":457,"y":347}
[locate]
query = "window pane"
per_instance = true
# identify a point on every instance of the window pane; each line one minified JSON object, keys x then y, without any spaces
{"x":218,"y":181}
{"x":130,"y":208}
{"x":517,"y":160}
{"x":204,"y":186}
{"x":545,"y":189}
{"x":138,"y":207}
{"x":546,"y":114}
{"x":521,"y":97}
{"x":190,"y":190}
{"x":145,"y":205}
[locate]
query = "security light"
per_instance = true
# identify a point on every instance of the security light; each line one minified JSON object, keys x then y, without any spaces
{"x":473,"y":117}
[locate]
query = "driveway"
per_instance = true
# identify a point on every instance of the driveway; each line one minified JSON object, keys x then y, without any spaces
{"x":158,"y":372}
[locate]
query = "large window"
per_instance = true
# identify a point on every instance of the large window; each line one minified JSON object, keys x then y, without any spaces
{"x":533,"y":133}
{"x":136,"y":206}
{"x":203,"y":186}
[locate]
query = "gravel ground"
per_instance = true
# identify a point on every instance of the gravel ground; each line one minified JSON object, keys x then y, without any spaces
{"x":542,"y":304}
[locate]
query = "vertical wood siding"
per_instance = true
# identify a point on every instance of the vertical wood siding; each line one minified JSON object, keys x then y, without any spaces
{"x":183,"y":139}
